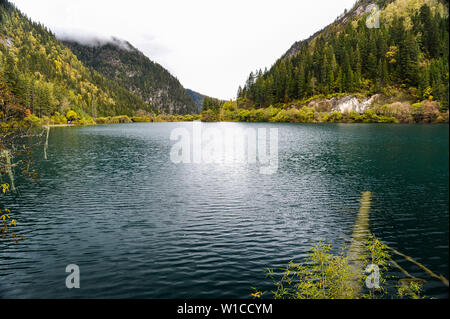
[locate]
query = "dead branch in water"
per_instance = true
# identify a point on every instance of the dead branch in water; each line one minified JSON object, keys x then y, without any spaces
{"x":427,"y":270}
{"x":46,"y":142}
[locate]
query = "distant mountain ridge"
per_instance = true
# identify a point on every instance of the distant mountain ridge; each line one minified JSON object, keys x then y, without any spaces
{"x":96,"y":78}
{"x":119,"y":61}
{"x":197,"y":97}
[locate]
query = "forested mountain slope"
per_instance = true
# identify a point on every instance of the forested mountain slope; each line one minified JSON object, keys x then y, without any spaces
{"x":408,"y":52}
{"x":198,"y":98}
{"x":120,"y":61}
{"x":47,"y":77}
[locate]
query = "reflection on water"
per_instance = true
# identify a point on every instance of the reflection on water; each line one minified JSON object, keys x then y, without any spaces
{"x":111,"y":201}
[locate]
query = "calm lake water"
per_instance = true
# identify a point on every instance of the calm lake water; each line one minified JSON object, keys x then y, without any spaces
{"x":110,"y":200}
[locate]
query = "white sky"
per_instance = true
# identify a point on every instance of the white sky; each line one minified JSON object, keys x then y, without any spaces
{"x":211,"y":46}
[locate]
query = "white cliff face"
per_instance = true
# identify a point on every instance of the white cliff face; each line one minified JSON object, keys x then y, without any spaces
{"x":369,"y":102}
{"x":345,"y":104}
{"x":348,"y":104}
{"x":351,"y":103}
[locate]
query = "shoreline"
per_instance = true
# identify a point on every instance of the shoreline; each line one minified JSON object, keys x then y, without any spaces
{"x":343,"y":122}
{"x":59,"y":125}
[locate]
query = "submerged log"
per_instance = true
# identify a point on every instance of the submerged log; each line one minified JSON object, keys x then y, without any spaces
{"x":46,"y":142}
{"x":359,"y":239}
{"x":356,"y":256}
{"x":395,"y":264}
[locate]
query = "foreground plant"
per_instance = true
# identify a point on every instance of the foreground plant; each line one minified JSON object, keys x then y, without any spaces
{"x":324,"y":275}
{"x":15,"y":155}
{"x":377,"y":259}
{"x":411,"y":291}
{"x":7,"y":222}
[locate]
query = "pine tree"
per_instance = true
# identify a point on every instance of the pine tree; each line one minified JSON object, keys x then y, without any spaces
{"x":351,"y":57}
{"x":429,"y":29}
{"x":301,"y":83}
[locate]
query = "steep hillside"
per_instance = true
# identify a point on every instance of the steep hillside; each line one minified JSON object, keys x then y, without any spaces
{"x":197,"y":98}
{"x":121,"y":62}
{"x":407,"y":52}
{"x":357,"y":11}
{"x":47,"y":77}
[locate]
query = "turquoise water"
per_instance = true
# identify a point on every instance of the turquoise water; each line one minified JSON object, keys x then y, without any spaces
{"x":110,"y":200}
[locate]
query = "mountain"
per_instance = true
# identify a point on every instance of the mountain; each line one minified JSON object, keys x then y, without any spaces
{"x":119,"y":61}
{"x":357,"y":11}
{"x":46,"y":77}
{"x":407,"y":54}
{"x":204,"y":102}
{"x":198,"y":98}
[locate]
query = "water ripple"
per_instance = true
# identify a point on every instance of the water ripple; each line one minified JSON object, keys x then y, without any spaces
{"x":110,"y":200}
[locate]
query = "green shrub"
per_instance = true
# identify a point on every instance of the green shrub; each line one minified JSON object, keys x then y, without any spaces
{"x":257,"y":115}
{"x":354,"y":116}
{"x":335,"y":117}
{"x":33,"y":121}
{"x":323,"y":275}
{"x":305,"y":115}
{"x":86,"y":121}
{"x":399,"y":110}
{"x":210,"y":116}
{"x":141,"y":119}
{"x":120,"y":119}
{"x":102,"y":120}
{"x":282,"y":116}
{"x":387,"y":119}
{"x":58,"y":119}
{"x":187,"y":118}
{"x":417,"y":111}
{"x":72,"y":116}
{"x":243,"y":115}
{"x":229,"y":115}
{"x":411,"y":291}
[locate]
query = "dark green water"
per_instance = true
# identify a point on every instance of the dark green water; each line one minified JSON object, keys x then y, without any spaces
{"x":139,"y":226}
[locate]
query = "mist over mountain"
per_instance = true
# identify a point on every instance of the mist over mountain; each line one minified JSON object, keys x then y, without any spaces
{"x":48,"y":78}
{"x":95,"y":76}
{"x":93,"y":40}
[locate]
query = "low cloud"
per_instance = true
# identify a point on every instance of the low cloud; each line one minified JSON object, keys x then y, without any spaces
{"x":92,"y":40}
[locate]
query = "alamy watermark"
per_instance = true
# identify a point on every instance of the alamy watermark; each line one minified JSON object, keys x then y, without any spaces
{"x":373,"y":276}
{"x":373,"y":20}
{"x":226,"y":144}
{"x":73,"y":280}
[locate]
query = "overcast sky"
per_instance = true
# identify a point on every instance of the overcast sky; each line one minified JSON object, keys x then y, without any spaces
{"x":211,"y":46}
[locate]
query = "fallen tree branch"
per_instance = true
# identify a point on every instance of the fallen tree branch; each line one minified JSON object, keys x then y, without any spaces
{"x":428,"y":271}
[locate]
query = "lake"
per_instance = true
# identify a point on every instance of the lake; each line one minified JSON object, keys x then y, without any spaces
{"x":110,"y":200}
